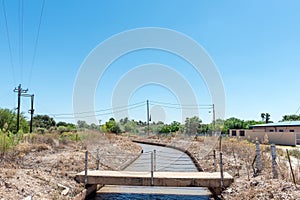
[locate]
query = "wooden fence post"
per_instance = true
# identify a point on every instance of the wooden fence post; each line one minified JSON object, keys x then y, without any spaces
{"x":288,"y":155}
{"x":154,"y":160}
{"x":152,"y":178}
{"x":97,"y":159}
{"x":215,"y":160}
{"x":221,"y":170}
{"x":86,"y":168}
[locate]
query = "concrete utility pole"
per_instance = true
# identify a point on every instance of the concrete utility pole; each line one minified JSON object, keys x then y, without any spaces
{"x":20,"y":91}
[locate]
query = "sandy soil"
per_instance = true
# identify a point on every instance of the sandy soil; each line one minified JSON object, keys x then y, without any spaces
{"x":46,"y":170}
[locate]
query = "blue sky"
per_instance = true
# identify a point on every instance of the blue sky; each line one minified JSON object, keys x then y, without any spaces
{"x":254,"y":44}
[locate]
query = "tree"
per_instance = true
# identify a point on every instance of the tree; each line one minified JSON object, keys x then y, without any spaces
{"x":165,"y":129}
{"x":124,"y":121}
{"x":262,"y":115}
{"x":94,"y":126}
{"x":65,"y":124}
{"x":191,"y":125}
{"x":113,"y":126}
{"x":8,"y":121}
{"x":203,"y":128}
{"x":233,"y":123}
{"x":265,"y":117}
{"x":43,"y":121}
{"x":290,"y":118}
{"x":131,"y":126}
{"x":82,"y":124}
{"x":7,"y":117}
{"x":249,"y":123}
{"x":175,"y":126}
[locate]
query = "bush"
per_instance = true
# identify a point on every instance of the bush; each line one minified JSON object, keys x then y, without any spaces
{"x":295,"y":153}
{"x":9,"y":140}
{"x":41,"y":130}
{"x":69,"y":136}
{"x":62,"y":129}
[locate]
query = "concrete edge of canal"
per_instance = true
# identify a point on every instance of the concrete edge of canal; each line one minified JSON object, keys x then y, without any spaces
{"x":90,"y":190}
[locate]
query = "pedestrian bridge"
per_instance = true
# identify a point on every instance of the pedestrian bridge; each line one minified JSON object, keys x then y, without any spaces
{"x":169,"y":179}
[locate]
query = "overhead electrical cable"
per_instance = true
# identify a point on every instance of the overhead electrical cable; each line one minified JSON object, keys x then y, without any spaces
{"x":101,"y":110}
{"x":9,"y":42}
{"x":21,"y":25}
{"x":99,"y":114}
{"x":36,"y":42}
{"x":182,"y":105}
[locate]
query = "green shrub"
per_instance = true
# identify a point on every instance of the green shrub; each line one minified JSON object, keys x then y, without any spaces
{"x":9,"y":140}
{"x":69,"y":136}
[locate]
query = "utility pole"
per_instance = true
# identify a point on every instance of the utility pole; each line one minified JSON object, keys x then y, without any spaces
{"x":31,"y":111}
{"x":148,"y":117}
{"x":20,"y":91}
{"x":214,"y":118}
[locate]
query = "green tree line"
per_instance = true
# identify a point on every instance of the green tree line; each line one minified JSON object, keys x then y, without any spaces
{"x":191,"y":126}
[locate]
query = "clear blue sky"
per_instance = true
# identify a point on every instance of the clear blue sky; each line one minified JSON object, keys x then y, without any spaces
{"x":254,"y":44}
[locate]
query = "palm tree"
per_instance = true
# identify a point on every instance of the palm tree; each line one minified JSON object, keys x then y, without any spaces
{"x":267,"y":117}
{"x":263,"y":115}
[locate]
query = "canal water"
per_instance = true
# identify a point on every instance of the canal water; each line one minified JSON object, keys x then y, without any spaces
{"x":165,"y":159}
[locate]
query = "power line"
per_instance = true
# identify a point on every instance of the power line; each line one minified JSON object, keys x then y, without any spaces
{"x":8,"y":40}
{"x":21,"y":25}
{"x":36,"y":42}
{"x":101,"y":110}
{"x":100,"y":114}
{"x":182,"y":105}
{"x":114,"y":110}
{"x":297,"y":110}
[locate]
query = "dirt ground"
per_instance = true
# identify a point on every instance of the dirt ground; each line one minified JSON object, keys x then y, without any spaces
{"x":238,"y":156}
{"x":46,"y":169}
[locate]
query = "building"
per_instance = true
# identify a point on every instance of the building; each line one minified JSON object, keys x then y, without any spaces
{"x":283,"y":133}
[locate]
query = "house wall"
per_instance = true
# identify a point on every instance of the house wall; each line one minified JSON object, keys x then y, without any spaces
{"x":277,"y":129}
{"x":282,"y":138}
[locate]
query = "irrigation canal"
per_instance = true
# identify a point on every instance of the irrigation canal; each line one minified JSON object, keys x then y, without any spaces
{"x":166,"y":159}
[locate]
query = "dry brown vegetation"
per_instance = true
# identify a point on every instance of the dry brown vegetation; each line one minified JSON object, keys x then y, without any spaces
{"x":44,"y":166}
{"x":238,"y":156}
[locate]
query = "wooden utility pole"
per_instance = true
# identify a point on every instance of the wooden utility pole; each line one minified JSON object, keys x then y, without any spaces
{"x":148,"y":128}
{"x":20,"y":91}
{"x":31,"y":111}
{"x":214,"y":118}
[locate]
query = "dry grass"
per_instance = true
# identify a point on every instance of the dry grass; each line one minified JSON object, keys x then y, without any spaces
{"x":9,"y":173}
{"x":238,"y":156}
